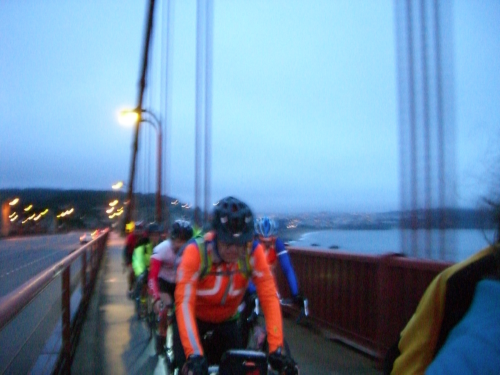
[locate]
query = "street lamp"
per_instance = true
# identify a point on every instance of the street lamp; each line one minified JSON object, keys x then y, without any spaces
{"x":118,"y":185}
{"x":135,"y":116}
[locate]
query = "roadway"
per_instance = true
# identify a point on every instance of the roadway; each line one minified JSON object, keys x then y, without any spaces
{"x":113,"y":341}
{"x":21,"y":258}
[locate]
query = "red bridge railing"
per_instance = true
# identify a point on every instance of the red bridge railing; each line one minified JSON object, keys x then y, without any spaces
{"x":361,"y":300}
{"x":40,"y":321}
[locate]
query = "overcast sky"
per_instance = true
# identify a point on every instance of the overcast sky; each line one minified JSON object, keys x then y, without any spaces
{"x":304,"y":99}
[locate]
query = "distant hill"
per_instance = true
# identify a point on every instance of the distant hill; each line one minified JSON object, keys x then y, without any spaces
{"x":90,"y":206}
{"x":57,"y":200}
{"x":456,"y":218}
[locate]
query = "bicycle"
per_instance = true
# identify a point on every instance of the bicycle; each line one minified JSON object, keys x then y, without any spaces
{"x":304,"y":307}
{"x":164,"y":344}
{"x":257,"y":330}
{"x":241,"y":362}
{"x":144,"y":304}
{"x":244,"y":362}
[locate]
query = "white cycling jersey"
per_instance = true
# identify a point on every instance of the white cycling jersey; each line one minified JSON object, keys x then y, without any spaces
{"x":165,"y":254}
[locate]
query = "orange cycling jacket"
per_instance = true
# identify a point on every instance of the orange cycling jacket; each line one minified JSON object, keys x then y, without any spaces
{"x":214,"y":296}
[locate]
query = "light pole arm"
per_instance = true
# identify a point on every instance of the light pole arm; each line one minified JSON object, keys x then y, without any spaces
{"x":156,"y":123}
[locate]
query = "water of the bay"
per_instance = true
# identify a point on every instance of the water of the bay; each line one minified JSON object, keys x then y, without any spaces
{"x":459,"y":243}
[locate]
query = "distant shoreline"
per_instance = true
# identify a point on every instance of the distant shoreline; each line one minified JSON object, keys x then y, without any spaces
{"x":461,"y":243}
{"x":295,"y":234}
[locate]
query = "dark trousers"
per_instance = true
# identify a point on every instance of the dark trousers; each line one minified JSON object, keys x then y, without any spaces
{"x":216,"y":338}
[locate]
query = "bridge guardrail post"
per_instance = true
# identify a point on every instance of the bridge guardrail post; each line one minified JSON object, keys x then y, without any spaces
{"x":383,"y":302}
{"x":84,"y":275}
{"x":66,"y":321}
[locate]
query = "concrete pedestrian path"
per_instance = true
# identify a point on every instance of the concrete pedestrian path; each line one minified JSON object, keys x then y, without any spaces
{"x":114,"y":341}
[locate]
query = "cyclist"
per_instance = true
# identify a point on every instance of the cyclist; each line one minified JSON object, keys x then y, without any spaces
{"x":454,"y":328}
{"x":211,"y":279}
{"x":274,"y":248}
{"x":130,"y":244}
{"x":140,"y":260}
{"x":161,"y":279}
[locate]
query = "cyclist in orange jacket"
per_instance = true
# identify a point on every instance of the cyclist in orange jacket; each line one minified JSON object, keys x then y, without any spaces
{"x":211,"y":280}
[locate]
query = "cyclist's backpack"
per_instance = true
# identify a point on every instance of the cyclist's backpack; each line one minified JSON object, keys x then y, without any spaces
{"x":206,"y":261}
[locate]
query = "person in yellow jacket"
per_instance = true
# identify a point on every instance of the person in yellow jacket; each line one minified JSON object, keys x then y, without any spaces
{"x":442,"y":307}
{"x":140,"y":263}
{"x":212,"y":277}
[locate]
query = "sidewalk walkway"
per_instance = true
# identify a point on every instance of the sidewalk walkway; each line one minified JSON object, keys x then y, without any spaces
{"x":113,"y":341}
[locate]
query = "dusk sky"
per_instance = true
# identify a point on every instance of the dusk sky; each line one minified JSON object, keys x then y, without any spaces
{"x":305,"y":108}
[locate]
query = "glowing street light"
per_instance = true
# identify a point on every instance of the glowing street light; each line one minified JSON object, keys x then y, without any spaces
{"x":28,"y":208}
{"x":134,"y":116}
{"x":14,"y":202}
{"x":114,"y":203}
{"x":63,"y":214}
{"x":128,"y":117}
{"x":118,"y":185}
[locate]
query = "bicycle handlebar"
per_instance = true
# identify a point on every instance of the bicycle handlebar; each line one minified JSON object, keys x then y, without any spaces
{"x":304,"y":310}
{"x":242,"y":362}
{"x":289,"y":302}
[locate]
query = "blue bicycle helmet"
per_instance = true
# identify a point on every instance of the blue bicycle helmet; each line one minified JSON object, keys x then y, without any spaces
{"x":265,"y":227}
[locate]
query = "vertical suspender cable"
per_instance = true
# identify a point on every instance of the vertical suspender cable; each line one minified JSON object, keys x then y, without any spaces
{"x":208,"y":104}
{"x":199,"y":108}
{"x":427,"y":131}
{"x":149,"y":96}
{"x":413,"y":131}
{"x":166,"y":99}
{"x":440,"y":124}
{"x":403,"y":151}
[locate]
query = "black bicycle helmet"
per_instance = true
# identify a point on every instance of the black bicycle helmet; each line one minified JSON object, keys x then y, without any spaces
{"x":233,"y":221}
{"x":182,"y":230}
{"x":153,"y":228}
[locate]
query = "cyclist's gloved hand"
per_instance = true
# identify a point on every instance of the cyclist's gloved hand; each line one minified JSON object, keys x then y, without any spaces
{"x":284,"y":364}
{"x":251,"y":300}
{"x":250,"y":306}
{"x":195,"y":365}
{"x":298,"y":300}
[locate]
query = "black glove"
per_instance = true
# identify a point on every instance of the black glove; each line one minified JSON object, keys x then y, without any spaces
{"x":299,"y":300}
{"x":284,"y":364}
{"x":250,"y":307}
{"x":195,"y":365}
